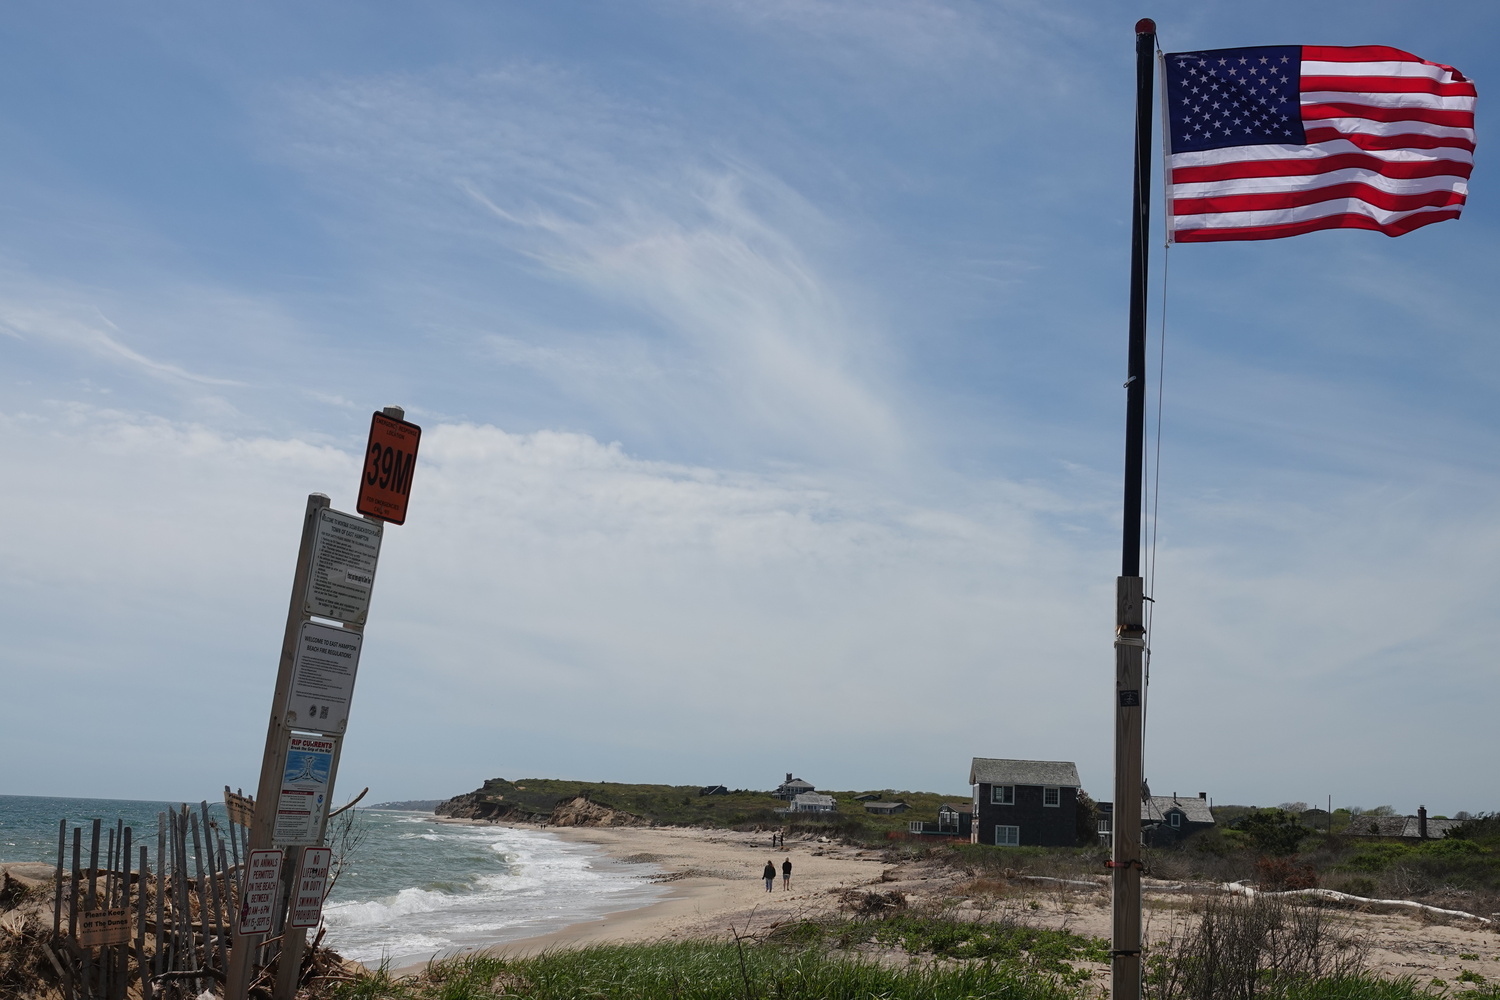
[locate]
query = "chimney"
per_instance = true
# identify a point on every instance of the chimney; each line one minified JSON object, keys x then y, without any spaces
{"x":1422,"y":822}
{"x":789,"y":777}
{"x":1203,"y":796}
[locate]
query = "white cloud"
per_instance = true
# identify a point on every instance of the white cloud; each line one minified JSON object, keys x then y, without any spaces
{"x":555,"y":605}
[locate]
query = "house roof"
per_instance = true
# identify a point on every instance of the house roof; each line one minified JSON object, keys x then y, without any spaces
{"x":797,"y":783}
{"x":1398,"y":826}
{"x":957,"y":807}
{"x":885,"y":807}
{"x":996,"y":771}
{"x":1194,"y":809}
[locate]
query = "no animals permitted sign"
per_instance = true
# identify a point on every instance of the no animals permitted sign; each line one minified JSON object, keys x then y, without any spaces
{"x":390,"y":458}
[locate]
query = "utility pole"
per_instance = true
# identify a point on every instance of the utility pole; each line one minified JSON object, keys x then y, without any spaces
{"x":1130,"y":630}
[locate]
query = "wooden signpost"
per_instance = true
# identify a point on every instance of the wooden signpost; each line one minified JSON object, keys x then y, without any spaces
{"x":333,"y":581}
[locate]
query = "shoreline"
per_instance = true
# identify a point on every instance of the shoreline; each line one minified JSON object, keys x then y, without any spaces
{"x":713,"y":880}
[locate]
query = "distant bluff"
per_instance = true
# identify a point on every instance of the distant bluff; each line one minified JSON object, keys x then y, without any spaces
{"x":539,"y":801}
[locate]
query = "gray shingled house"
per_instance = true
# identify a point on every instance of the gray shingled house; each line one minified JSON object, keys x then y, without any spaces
{"x":1165,"y":819}
{"x":792,"y":787}
{"x":1024,"y":803}
{"x":1418,"y":827}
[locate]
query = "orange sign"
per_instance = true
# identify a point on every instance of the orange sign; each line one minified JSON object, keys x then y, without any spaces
{"x":390,"y":458}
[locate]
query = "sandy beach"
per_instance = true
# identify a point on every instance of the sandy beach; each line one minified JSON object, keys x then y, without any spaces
{"x":714,"y":883}
{"x":716,"y":890}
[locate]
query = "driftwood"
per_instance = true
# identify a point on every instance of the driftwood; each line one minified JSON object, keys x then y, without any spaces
{"x":1330,"y":896}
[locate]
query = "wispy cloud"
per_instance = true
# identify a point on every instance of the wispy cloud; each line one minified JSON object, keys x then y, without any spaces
{"x":710,"y":254}
{"x":95,"y":335}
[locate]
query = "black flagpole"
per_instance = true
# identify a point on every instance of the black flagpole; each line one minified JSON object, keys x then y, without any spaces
{"x":1135,"y":387}
{"x":1130,"y":632}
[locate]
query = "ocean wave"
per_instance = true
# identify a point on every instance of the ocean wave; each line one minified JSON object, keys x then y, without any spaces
{"x":443,"y":889}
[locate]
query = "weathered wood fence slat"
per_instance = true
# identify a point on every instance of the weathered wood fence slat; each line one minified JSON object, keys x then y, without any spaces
{"x":123,"y":928}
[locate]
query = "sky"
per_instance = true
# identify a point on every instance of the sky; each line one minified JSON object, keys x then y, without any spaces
{"x":769,"y":360}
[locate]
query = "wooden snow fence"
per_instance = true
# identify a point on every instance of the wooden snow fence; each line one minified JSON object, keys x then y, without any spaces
{"x":125,"y":925}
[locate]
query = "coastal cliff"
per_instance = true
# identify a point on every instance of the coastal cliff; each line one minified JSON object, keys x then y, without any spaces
{"x":509,"y":804}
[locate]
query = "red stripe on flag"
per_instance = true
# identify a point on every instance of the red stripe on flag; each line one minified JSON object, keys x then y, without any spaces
{"x":1366,"y":141}
{"x":1348,"y":220}
{"x":1274,"y":200}
{"x":1388,"y":85}
{"x":1399,"y":169}
{"x":1360,"y":53}
{"x":1429,"y":116}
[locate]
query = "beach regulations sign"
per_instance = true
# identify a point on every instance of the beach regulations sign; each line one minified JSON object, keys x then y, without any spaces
{"x":342,"y":571}
{"x":258,"y":899}
{"x":304,"y":790}
{"x":390,"y":457}
{"x":310,"y":887}
{"x":323,"y":678}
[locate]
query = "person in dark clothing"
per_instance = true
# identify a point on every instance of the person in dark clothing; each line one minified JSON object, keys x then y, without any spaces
{"x":769,"y":875}
{"x":786,"y":874}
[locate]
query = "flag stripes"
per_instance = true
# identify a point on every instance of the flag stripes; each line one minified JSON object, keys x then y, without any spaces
{"x":1389,"y":142}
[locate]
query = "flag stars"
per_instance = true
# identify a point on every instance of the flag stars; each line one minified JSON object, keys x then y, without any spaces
{"x":1231,"y":98}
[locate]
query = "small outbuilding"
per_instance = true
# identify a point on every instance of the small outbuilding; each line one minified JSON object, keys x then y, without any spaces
{"x":885,"y":808}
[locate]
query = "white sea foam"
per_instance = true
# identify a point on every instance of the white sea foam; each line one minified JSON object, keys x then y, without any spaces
{"x":413,"y":894}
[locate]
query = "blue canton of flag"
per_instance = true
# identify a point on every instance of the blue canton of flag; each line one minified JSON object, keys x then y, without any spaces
{"x":1234,"y":97}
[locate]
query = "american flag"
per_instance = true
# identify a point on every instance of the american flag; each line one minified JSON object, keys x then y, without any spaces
{"x":1279,"y":140}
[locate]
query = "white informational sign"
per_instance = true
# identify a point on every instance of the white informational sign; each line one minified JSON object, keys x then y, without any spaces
{"x":310,"y":888}
{"x":323,"y":678}
{"x":262,"y":880}
{"x":342,"y":572}
{"x":304,"y":790}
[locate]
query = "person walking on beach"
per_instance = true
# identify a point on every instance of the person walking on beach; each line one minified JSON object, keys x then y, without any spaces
{"x":769,"y":875}
{"x":786,"y":874}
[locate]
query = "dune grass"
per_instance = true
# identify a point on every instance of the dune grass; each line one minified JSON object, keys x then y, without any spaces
{"x":705,"y":970}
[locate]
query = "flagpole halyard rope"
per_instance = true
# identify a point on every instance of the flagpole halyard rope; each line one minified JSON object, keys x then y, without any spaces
{"x":1154,"y":505}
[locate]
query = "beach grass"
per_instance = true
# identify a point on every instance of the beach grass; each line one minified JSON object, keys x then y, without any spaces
{"x":913,"y":960}
{"x":706,"y":970}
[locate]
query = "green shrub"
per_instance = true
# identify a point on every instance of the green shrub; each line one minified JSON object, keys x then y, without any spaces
{"x":1272,"y":831}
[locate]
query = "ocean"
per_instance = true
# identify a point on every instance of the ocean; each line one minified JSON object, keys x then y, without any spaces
{"x":414,"y":888}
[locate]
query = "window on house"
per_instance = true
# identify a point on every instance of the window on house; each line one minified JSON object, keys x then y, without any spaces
{"x":1051,"y":796}
{"x":1003,"y":795}
{"x":1007,"y":836}
{"x":1105,"y":826}
{"x":1175,"y":819}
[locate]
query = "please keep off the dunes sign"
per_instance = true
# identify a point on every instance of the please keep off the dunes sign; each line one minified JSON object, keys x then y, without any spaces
{"x":103,"y":927}
{"x":390,"y":457}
